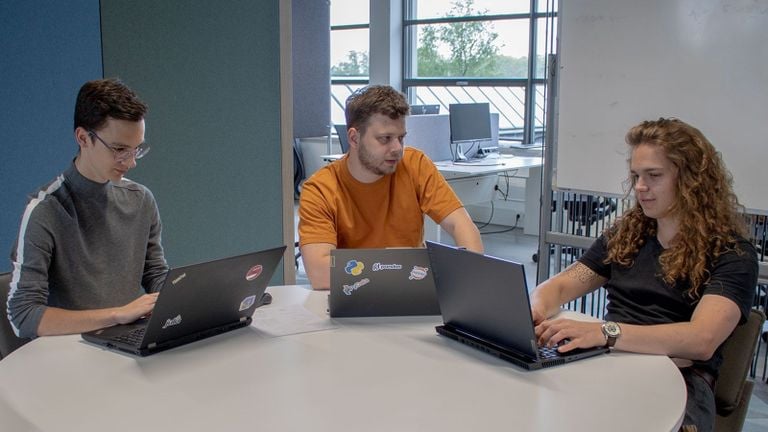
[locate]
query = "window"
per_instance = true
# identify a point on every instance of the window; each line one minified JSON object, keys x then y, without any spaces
{"x":461,"y":51}
{"x":349,"y":52}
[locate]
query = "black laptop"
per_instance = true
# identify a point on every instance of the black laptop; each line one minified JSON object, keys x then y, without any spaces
{"x":381,"y":282}
{"x":484,"y":303}
{"x":196,"y":302}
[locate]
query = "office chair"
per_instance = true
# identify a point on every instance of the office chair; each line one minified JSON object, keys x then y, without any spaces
{"x":583,"y":212}
{"x":341,"y":131}
{"x":298,"y":168}
{"x":733,"y":389}
{"x":8,"y":340}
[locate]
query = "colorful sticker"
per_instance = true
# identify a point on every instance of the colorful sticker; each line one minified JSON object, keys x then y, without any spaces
{"x":253,"y":273}
{"x":418,"y":273}
{"x":247,"y":302}
{"x":354,"y":267}
{"x":380,"y":267}
{"x":349,"y":289}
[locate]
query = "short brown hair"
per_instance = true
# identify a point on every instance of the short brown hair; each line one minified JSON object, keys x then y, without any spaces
{"x":100,"y":99}
{"x":374,"y":99}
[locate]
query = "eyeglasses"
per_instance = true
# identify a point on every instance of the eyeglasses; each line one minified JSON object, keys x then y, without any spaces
{"x":124,"y":154}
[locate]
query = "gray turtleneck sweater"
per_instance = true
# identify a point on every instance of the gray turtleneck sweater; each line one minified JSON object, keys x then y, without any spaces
{"x":84,"y":245}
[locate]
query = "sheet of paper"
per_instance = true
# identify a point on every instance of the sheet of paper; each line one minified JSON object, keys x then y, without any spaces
{"x":276,"y":321}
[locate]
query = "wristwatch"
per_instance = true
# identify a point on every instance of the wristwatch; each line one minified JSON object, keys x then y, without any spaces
{"x":612,"y":331}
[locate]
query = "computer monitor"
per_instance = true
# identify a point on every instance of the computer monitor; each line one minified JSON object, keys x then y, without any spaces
{"x":470,"y":127}
{"x":425,"y":109}
{"x":341,"y":131}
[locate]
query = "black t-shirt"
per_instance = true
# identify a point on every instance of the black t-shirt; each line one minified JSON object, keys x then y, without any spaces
{"x":639,"y":295}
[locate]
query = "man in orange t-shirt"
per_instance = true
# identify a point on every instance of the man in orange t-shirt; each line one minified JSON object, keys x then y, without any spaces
{"x":376,"y":196}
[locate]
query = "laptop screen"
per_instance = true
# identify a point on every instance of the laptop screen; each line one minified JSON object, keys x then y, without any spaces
{"x":484,"y":296}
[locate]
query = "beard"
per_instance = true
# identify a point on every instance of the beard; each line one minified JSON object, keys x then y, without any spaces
{"x":374,"y":165}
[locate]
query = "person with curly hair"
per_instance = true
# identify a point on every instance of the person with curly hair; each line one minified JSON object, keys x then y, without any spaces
{"x":678,"y":271}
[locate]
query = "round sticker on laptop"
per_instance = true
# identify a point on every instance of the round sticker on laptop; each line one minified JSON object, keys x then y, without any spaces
{"x":253,"y":273}
{"x":418,"y":273}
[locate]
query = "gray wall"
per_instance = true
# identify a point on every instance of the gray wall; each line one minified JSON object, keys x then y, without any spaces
{"x":311,"y":50}
{"x":48,"y":48}
{"x":210,"y":74}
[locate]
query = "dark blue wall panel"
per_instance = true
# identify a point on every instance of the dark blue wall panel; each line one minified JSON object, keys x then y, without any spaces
{"x":210,"y":73}
{"x":311,"y":42}
{"x":48,"y":49}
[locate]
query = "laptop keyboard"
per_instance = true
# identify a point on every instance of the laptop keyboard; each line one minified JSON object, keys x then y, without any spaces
{"x":134,"y":337}
{"x":548,"y":352}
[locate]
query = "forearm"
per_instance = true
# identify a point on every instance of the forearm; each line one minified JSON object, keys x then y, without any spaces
{"x":319,"y":275}
{"x":547,"y":299}
{"x":56,"y":321}
{"x":712,"y":322}
{"x":575,"y":281}
{"x":317,"y":263}
{"x":680,"y":340}
{"x":464,"y":232}
{"x":468,"y":237}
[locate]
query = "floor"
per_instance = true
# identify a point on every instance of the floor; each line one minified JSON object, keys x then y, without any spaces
{"x":516,"y":246}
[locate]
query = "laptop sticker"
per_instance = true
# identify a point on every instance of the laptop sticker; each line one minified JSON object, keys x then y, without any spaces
{"x":418,"y":273}
{"x":253,"y":273}
{"x":380,"y":267}
{"x":178,"y":279}
{"x":349,"y":289}
{"x":354,"y":267}
{"x":247,"y":302}
{"x":170,"y":322}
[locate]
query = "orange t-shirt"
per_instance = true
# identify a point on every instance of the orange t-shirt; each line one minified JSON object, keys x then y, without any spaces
{"x":335,"y":208}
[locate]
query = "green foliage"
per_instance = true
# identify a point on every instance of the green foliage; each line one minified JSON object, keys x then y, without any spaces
{"x":471,"y":47}
{"x":462,"y":49}
{"x":356,"y":65}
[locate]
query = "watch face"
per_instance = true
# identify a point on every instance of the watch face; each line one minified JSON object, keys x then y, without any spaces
{"x":612,"y":329}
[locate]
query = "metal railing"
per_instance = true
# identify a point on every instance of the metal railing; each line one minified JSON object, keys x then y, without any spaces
{"x":508,"y":102}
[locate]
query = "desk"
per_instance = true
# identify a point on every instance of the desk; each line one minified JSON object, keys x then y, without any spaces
{"x":474,"y":184}
{"x":393,"y":374}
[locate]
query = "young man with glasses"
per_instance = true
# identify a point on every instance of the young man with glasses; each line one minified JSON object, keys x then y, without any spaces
{"x":88,"y":254}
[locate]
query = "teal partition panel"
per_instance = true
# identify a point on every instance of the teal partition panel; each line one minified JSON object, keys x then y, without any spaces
{"x":48,"y":49}
{"x":210,"y":73}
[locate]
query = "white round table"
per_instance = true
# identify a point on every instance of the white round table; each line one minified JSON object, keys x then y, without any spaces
{"x":374,"y":374}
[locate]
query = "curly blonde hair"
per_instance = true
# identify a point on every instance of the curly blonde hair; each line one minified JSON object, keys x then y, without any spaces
{"x":711,"y":217}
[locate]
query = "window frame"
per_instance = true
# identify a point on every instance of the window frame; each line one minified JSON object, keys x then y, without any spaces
{"x":528,"y":84}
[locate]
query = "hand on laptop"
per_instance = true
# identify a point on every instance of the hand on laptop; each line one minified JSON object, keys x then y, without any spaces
{"x":581,"y":334}
{"x":136,"y":309}
{"x":537,"y":315}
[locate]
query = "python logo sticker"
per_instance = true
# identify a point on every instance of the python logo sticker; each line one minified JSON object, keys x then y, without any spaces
{"x":418,"y":273}
{"x":354,"y":267}
{"x":349,"y":289}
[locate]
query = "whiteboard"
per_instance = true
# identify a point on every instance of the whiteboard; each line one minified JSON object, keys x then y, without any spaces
{"x":623,"y":61}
